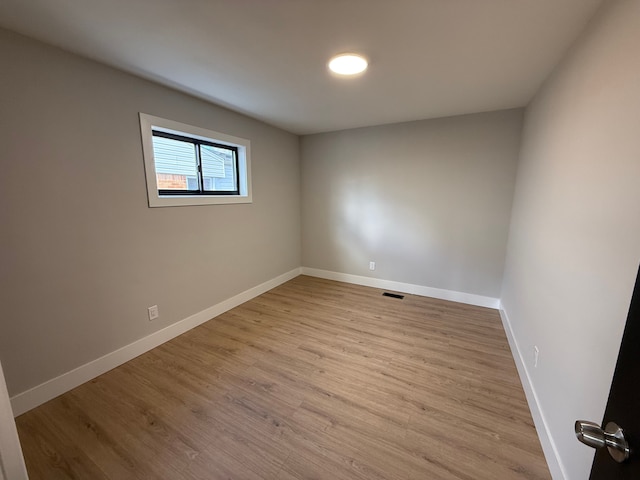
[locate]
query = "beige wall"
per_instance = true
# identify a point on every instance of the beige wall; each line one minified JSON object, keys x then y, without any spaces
{"x":81,"y":254}
{"x":428,"y":201}
{"x":574,"y":244}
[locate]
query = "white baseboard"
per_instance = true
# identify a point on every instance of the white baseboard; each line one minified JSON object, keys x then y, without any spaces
{"x":44,"y":392}
{"x":461,"y":297}
{"x":549,"y":448}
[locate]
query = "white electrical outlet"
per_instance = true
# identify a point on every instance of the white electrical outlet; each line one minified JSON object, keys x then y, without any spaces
{"x":153,"y":312}
{"x":372,"y":265}
{"x":536,"y":354}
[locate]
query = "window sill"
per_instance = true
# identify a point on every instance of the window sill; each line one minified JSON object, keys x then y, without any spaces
{"x":178,"y":201}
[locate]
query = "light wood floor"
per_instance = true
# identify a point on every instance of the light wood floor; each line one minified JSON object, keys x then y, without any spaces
{"x":312,"y":380}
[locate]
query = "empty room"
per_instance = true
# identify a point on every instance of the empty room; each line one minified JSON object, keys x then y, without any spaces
{"x":286,"y":240}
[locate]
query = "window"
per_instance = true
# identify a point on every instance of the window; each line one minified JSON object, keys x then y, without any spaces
{"x":187,"y":165}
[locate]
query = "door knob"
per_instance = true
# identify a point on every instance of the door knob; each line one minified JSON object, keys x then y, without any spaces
{"x":611,"y":437}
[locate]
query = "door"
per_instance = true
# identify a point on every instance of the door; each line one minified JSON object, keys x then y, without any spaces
{"x":623,"y":409}
{"x":11,"y":462}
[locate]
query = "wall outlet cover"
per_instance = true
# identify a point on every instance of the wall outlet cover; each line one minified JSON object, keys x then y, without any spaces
{"x":153,"y":312}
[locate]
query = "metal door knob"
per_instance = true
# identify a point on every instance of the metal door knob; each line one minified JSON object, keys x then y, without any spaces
{"x":611,"y":437}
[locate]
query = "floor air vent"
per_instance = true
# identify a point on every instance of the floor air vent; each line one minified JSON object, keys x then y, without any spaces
{"x":392,"y":295}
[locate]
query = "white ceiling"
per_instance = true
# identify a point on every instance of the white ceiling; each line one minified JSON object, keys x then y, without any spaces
{"x":267,"y":58}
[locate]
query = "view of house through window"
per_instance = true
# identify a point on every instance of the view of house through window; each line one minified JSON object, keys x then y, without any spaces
{"x":189,"y":165}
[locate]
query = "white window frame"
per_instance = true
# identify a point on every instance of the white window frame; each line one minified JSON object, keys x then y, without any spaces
{"x":148,"y":123}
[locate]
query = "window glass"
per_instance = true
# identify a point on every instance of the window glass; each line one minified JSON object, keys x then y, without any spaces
{"x":175,"y":163}
{"x":219,"y":168}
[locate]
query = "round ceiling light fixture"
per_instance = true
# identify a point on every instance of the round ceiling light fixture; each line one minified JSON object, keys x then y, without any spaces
{"x":348,"y":64}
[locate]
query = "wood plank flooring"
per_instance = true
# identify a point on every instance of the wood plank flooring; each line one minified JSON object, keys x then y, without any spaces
{"x":313,"y":380}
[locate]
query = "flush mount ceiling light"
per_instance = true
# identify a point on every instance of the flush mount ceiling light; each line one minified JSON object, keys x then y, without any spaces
{"x":348,"y":64}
